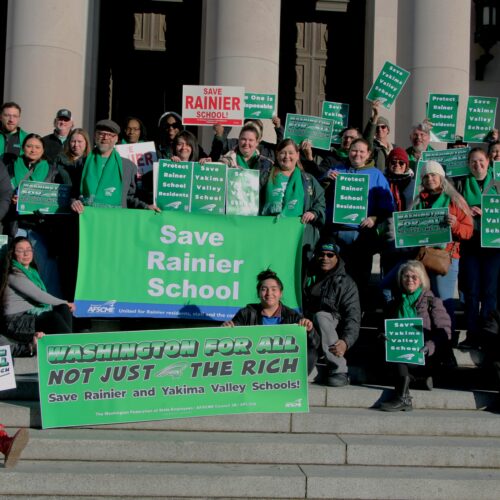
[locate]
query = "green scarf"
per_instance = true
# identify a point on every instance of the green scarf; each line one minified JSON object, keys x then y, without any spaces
{"x":101,"y":184}
{"x":22,"y":136}
{"x":32,"y":274}
{"x":472,"y":191}
{"x":285,"y":195}
{"x":241,"y":162}
{"x":442,"y":201}
{"x":39,"y":173}
{"x":408,"y":305}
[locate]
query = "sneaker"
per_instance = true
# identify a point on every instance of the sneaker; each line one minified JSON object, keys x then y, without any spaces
{"x":337,"y":380}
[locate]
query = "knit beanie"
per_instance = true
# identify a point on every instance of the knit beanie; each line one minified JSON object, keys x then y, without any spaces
{"x":432,"y":167}
{"x":398,"y":154}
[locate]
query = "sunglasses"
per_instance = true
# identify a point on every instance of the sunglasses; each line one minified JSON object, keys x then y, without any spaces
{"x":172,"y":125}
{"x":381,"y":126}
{"x":327,"y":254}
{"x":401,"y":163}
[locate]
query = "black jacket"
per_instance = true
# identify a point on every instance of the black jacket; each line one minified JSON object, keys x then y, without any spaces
{"x":336,"y":293}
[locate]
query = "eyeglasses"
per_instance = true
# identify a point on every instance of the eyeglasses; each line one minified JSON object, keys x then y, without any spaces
{"x":132,"y":129}
{"x":381,"y":126}
{"x":401,"y":163}
{"x":412,"y":277}
{"x":351,"y":137}
{"x":24,"y":252}
{"x":330,"y":255}
{"x":105,"y":135}
{"x":172,"y":125}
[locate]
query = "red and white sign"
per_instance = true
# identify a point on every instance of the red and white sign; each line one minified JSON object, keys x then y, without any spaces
{"x":208,"y":105}
{"x":143,"y":154}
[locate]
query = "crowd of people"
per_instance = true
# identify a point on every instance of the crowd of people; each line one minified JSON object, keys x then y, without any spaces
{"x":296,"y":180}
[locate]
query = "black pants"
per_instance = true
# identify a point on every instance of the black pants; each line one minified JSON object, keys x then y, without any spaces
{"x":59,"y":320}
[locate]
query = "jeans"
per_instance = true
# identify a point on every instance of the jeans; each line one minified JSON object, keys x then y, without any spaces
{"x":326,"y":325}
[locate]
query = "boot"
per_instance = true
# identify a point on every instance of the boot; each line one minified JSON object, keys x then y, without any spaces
{"x":12,"y":447}
{"x":402,"y":400}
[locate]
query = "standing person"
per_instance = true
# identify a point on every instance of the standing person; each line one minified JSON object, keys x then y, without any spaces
{"x":415,"y":300}
{"x":377,"y":132}
{"x":331,"y":300}
{"x":54,"y":143}
{"x":359,"y":242}
{"x":11,"y":134}
{"x":108,"y":180}
{"x":271,"y":311}
{"x":479,"y":267}
{"x":169,"y":125}
{"x":186,"y":148}
{"x":134,"y":131}
{"x":437,"y":192}
{"x":12,"y":447}
{"x":287,"y":190}
{"x":494,"y":151}
{"x":420,"y":138}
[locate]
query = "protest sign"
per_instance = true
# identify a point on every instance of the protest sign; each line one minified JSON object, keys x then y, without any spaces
{"x":480,"y":118}
{"x":404,"y":341}
{"x":260,"y":106}
{"x":44,"y":197}
{"x":174,"y":180}
{"x":442,"y":112}
{"x":388,"y":84}
{"x":7,"y":377}
{"x":454,"y":161}
{"x":490,"y":221}
{"x":242,"y":192}
{"x":141,"y":154}
{"x":418,"y":177}
{"x":339,"y":114}
{"x":315,"y":129}
{"x":415,"y":228}
{"x":496,"y":170}
{"x":209,"y":105}
{"x":106,"y":378}
{"x":137,"y":263}
{"x":350,"y":205}
{"x":209,"y":188}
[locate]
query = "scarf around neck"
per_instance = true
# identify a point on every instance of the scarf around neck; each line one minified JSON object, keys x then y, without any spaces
{"x":284,"y":195}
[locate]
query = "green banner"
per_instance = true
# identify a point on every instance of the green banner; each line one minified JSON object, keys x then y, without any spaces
{"x":388,"y":84}
{"x":490,"y":221}
{"x":442,"y":112}
{"x":137,"y":263}
{"x":350,"y":205}
{"x":242,"y":196}
{"x":118,"y":377}
{"x":416,"y":228}
{"x":175,"y":181}
{"x":209,"y":188}
{"x":260,"y":106}
{"x":496,"y":170}
{"x":404,"y":341}
{"x":44,"y":197}
{"x":454,"y":161}
{"x":312,"y":128}
{"x":339,"y":114}
{"x":480,"y":118}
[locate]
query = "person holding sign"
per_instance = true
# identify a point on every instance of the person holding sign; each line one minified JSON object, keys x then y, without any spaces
{"x":331,"y":300}
{"x":134,"y":131}
{"x":271,"y":311}
{"x":415,"y":300}
{"x":186,"y":148}
{"x":479,"y":267}
{"x":358,"y":242}
{"x":12,"y":447}
{"x":108,"y":180}
{"x":437,"y":192}
{"x":377,"y":134}
{"x":288,"y":191}
{"x":27,"y":307}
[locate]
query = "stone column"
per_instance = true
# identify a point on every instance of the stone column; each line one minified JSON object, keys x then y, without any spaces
{"x":45,"y":60}
{"x":240,"y":47}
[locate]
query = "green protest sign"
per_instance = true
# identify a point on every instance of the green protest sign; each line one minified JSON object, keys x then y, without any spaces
{"x":304,"y":127}
{"x":137,"y":263}
{"x":442,"y":112}
{"x":242,"y":197}
{"x":209,"y":188}
{"x":404,"y":341}
{"x":428,"y":227}
{"x":490,"y":221}
{"x":454,"y":161}
{"x":496,"y":170}
{"x":44,"y":197}
{"x":350,"y":205}
{"x":339,"y":114}
{"x":260,"y":106}
{"x":418,"y":177}
{"x":480,"y":118}
{"x":174,"y":185}
{"x":118,"y":377}
{"x":388,"y":84}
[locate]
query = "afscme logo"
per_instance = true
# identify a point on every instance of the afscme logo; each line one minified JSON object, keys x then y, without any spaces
{"x":104,"y":308}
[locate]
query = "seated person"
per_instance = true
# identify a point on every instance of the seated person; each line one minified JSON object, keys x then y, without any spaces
{"x":331,"y":299}
{"x":27,"y":307}
{"x":270,"y":311}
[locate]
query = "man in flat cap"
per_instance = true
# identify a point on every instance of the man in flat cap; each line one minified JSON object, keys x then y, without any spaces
{"x":54,"y":143}
{"x":331,"y":301}
{"x":108,"y":180}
